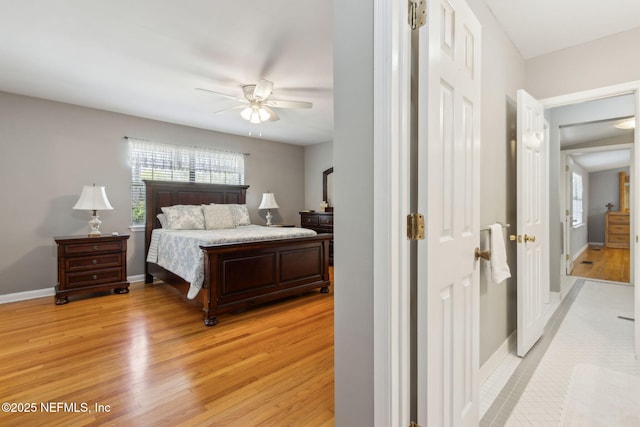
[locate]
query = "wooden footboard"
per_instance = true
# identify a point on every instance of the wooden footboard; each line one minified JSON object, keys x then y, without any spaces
{"x":243,"y":274}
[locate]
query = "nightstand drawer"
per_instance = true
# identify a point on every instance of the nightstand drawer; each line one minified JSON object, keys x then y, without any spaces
{"x":77,"y":280}
{"x":326,"y":220}
{"x":96,"y":262}
{"x":84,"y":248}
{"x":309,"y":220}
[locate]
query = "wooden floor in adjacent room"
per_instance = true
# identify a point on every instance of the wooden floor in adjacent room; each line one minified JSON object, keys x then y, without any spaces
{"x":146,"y":358}
{"x":598,"y":262}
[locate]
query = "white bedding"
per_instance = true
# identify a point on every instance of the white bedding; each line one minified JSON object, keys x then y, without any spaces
{"x":179,"y":250}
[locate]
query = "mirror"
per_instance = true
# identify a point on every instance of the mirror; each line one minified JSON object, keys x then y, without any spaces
{"x":327,"y":188}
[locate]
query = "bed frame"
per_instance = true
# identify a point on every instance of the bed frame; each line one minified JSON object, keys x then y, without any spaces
{"x":239,"y":275}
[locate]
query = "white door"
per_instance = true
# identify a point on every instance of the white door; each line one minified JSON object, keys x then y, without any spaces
{"x":533,"y":220}
{"x":568,"y":218}
{"x":448,"y":196}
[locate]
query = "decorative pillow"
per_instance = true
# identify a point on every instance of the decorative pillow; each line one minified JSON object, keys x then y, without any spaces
{"x":184,"y":217}
{"x":218,"y":216}
{"x":163,"y":220}
{"x":240,"y":214}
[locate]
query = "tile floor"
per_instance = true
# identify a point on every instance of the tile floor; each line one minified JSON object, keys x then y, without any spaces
{"x":582,"y":329}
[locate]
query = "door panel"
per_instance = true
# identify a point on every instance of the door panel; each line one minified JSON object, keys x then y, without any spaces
{"x":533,"y":221}
{"x":448,"y":195}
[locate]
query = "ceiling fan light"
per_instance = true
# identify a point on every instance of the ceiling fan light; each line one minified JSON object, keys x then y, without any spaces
{"x":626,"y":124}
{"x":246,"y":113}
{"x":255,"y":117}
{"x":264,"y":114}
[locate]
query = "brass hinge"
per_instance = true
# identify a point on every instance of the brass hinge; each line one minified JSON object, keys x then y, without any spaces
{"x":567,"y":212}
{"x":414,"y":424}
{"x":567,"y":257}
{"x":415,"y":226}
{"x":566,"y":168}
{"x":417,"y":13}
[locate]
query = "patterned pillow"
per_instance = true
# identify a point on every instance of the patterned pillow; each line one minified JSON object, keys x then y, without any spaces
{"x":218,"y":216}
{"x":240,"y":214}
{"x":184,"y":217}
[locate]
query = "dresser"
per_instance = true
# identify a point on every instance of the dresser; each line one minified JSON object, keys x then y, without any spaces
{"x":616,"y":230}
{"x":91,"y":264}
{"x":320,"y":222}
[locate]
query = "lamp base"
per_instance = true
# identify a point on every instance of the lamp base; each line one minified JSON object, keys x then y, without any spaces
{"x":94,"y":225}
{"x":269,"y":217}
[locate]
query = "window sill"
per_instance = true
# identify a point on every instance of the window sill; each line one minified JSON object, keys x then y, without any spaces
{"x":574,"y":226}
{"x":136,"y":228}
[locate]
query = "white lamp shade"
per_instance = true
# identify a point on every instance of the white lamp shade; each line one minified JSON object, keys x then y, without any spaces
{"x":268,"y":201}
{"x":93,"y":199}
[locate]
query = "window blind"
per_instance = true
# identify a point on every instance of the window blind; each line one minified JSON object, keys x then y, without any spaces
{"x":163,"y":162}
{"x":578,"y":217}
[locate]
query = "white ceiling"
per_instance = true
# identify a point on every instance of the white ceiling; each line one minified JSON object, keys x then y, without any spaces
{"x":603,"y":160}
{"x":593,"y":131}
{"x":544,"y":26}
{"x":146,"y":57}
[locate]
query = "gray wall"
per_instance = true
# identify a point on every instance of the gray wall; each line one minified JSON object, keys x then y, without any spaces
{"x":353,"y":156}
{"x":503,"y":73}
{"x":603,"y":188}
{"x":604,"y":62}
{"x":50,"y":150}
{"x":317,"y":159}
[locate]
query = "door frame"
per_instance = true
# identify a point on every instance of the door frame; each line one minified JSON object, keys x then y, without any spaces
{"x":391,"y":203}
{"x":607,"y":92}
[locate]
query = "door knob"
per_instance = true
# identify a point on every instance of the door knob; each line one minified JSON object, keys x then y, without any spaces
{"x":529,"y":238}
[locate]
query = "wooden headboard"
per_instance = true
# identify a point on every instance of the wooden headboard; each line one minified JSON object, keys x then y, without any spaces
{"x":166,"y":193}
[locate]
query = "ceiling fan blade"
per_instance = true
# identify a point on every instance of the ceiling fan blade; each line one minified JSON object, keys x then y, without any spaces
{"x":288,"y":104}
{"x":237,"y":107}
{"x":273,"y":116}
{"x":263,"y":89}
{"x":244,"y":101}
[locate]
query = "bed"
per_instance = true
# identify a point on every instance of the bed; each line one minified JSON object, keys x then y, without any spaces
{"x":242,"y":274}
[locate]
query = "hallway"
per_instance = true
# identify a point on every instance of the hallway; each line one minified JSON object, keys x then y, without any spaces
{"x":584,"y":330}
{"x":600,"y":263}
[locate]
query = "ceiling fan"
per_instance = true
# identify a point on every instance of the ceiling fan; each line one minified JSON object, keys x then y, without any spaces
{"x":256,"y":106}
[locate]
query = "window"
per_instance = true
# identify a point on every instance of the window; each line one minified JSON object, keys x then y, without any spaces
{"x":578,"y":209}
{"x":162,"y":162}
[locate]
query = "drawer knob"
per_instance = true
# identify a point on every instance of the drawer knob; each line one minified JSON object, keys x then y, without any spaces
{"x":95,"y":261}
{"x":94,"y":277}
{"x":95,"y":247}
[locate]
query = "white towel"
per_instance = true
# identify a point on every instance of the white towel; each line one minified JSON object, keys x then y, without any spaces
{"x":499,"y":268}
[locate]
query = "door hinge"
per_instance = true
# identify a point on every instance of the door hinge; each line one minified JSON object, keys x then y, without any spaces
{"x":566,"y":168}
{"x":567,"y":212}
{"x":415,"y":226}
{"x":417,"y":13}
{"x":414,"y":424}
{"x":566,"y":257}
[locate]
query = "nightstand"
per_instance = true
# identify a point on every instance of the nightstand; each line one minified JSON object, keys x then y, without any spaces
{"x":91,"y":264}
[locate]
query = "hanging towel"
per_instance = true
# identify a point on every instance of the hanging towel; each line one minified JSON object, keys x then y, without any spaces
{"x":499,"y":268}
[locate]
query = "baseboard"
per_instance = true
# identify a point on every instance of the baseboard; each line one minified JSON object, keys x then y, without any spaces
{"x":596,"y":243}
{"x":578,"y":253}
{"x":497,"y":357}
{"x":48,"y":292}
{"x":22,"y":296}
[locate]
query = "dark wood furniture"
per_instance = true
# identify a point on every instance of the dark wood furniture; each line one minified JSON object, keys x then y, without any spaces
{"x":91,"y":264}
{"x":320,"y":222}
{"x":239,"y":275}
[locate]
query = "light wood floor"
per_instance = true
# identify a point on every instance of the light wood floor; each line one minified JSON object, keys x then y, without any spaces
{"x":149,"y":357}
{"x":606,"y":264}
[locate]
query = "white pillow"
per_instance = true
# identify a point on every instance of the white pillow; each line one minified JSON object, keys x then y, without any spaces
{"x":240,"y":214}
{"x":184,"y":217}
{"x":218,"y":216}
{"x":163,"y":220}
